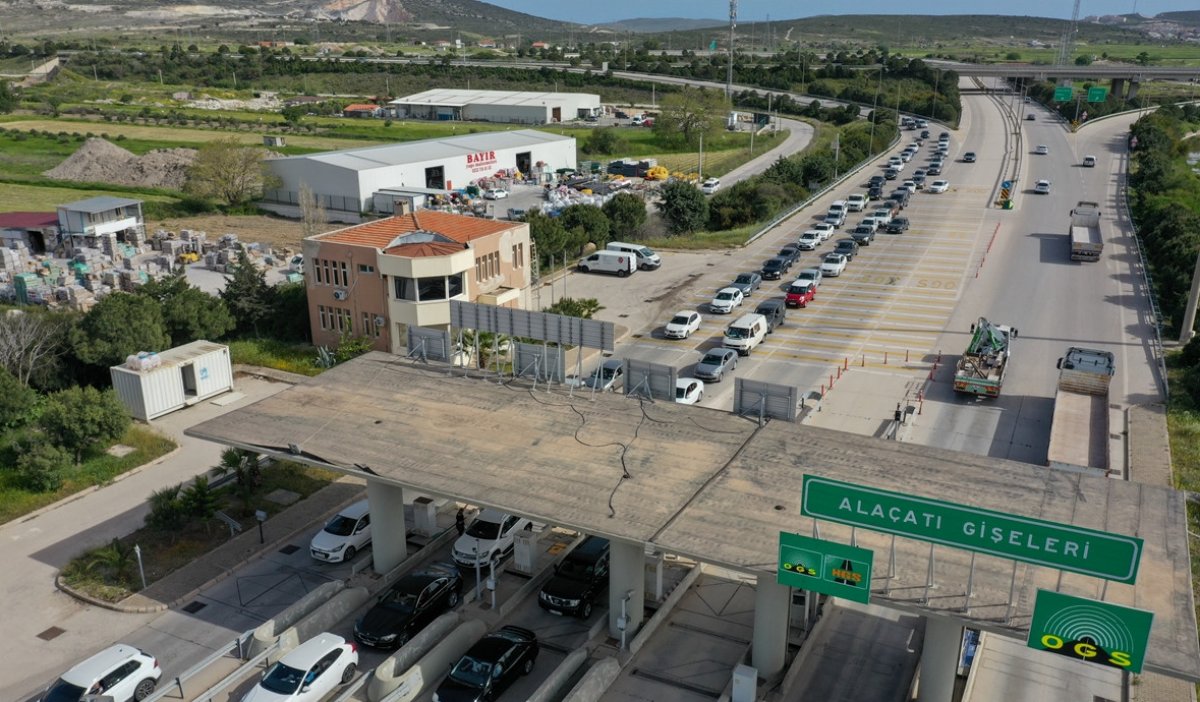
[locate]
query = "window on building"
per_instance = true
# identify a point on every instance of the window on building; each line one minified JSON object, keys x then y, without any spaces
{"x":323,"y":313}
{"x":520,"y":255}
{"x":478,"y":270}
{"x":317,"y":272}
{"x":431,"y":288}
{"x":454,"y":285}
{"x":344,"y":270}
{"x":345,"y":321}
{"x":370,"y":329}
{"x":364,"y":268}
{"x":406,"y":289}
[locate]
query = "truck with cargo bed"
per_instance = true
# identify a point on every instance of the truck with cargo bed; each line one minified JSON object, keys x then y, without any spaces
{"x":1087,"y":242}
{"x":1079,"y":429}
{"x":981,"y":368}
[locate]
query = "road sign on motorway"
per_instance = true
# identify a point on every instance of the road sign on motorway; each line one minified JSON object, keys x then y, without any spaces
{"x":1063,"y":93}
{"x":1007,"y":184}
{"x":825,"y":566}
{"x":1063,"y":546}
{"x":1097,"y":94}
{"x":1090,"y":630}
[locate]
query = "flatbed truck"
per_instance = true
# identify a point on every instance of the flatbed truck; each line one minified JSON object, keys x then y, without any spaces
{"x":1087,"y":242}
{"x":1079,"y":429}
{"x":981,"y":368}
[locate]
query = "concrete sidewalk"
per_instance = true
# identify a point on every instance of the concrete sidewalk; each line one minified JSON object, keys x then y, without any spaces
{"x":47,"y":630}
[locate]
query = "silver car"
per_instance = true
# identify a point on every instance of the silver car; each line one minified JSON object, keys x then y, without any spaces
{"x":716,"y":364}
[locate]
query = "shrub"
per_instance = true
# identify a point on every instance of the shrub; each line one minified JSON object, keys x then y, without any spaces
{"x":42,"y":467}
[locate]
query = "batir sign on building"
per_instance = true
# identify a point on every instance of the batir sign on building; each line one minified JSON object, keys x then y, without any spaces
{"x":482,"y":162}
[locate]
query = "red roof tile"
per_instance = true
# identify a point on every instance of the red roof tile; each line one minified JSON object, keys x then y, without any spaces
{"x":27,"y":220}
{"x":360,"y":108}
{"x":380,"y":233}
{"x":427,"y":248}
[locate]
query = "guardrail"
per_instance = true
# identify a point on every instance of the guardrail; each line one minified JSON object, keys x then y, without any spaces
{"x":236,"y":676}
{"x":1147,"y":278}
{"x":237,"y":646}
{"x":779,"y":219}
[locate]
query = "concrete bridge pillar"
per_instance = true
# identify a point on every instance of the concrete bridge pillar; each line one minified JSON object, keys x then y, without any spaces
{"x":939,"y":659}
{"x":626,"y":589}
{"x":1133,"y":90}
{"x":389,"y":539}
{"x":772,"y":617}
{"x":1118,"y":87}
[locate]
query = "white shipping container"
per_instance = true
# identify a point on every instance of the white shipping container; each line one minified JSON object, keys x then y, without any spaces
{"x":188,"y":374}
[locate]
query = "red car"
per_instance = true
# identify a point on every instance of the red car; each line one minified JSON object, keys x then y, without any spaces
{"x":800,"y":294}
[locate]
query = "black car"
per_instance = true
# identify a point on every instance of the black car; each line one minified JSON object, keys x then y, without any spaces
{"x":891,"y":173}
{"x":969,"y":157}
{"x":1030,"y":117}
{"x":875,"y":180}
{"x":862,"y":235}
{"x":875,"y":192}
{"x":410,"y":604}
{"x":774,"y":268}
{"x":898,"y":225}
{"x":578,"y":580}
{"x":924,"y":133}
{"x":490,"y":666}
{"x":775,"y":310}
{"x":846,"y":247}
{"x":934,"y":169}
{"x":791,"y":252}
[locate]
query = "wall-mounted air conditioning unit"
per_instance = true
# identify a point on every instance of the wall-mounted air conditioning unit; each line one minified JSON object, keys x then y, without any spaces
{"x":340,"y":294}
{"x":379,"y":320}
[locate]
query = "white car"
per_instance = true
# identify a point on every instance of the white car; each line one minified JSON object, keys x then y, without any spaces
{"x":1089,"y":161}
{"x":882,"y":214}
{"x":122,"y":673}
{"x":689,"y":391}
{"x":856,"y":202}
{"x":491,"y":537}
{"x":909,"y":185}
{"x":809,"y":240}
{"x":495,"y":194}
{"x":726,"y":300}
{"x":833,"y":264}
{"x":809,"y":275}
{"x":939,"y":186}
{"x":682,"y":325}
{"x":309,"y":672}
{"x":825,"y":229}
{"x":1042,"y":187}
{"x":1042,"y":150}
{"x":710,"y":186}
{"x":344,"y":536}
{"x":871,"y":221}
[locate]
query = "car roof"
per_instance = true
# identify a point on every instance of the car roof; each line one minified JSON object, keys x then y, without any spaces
{"x":414,"y":583}
{"x":94,"y":667}
{"x":308,"y":653}
{"x":681,"y":383}
{"x":720,"y":351}
{"x":685,"y":313}
{"x":354,"y":511}
{"x":589,"y":549}
{"x":729,"y":290}
{"x":488,"y":514}
{"x":613,"y":363}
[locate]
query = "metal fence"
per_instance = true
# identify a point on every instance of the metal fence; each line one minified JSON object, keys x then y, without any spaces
{"x":1147,"y":279}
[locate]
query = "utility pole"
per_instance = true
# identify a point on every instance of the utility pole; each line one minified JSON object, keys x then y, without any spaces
{"x":1188,"y":330}
{"x":729,"y":68}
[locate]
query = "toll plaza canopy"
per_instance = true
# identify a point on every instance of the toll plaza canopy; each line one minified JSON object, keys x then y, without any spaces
{"x":709,"y":485}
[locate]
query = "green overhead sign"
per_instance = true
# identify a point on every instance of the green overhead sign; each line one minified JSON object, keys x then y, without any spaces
{"x":1063,"y":546}
{"x":1093,"y":631}
{"x":826,"y":567}
{"x":1063,"y":93}
{"x":1097,"y":94}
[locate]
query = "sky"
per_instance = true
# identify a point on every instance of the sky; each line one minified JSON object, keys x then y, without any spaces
{"x":759,"y":10}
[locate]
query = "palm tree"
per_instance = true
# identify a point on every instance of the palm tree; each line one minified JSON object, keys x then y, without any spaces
{"x":200,"y":500}
{"x":116,"y":558}
{"x":245,"y":467}
{"x":166,"y":510}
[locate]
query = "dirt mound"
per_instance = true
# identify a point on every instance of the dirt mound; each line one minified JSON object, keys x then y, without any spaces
{"x":99,"y":161}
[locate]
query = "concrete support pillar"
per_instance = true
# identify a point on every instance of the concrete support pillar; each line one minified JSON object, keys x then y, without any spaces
{"x":772,"y":616}
{"x":1188,"y":330}
{"x":939,"y":659}
{"x":1133,"y":90}
{"x":626,"y":588}
{"x":389,"y":545}
{"x":1118,"y":86}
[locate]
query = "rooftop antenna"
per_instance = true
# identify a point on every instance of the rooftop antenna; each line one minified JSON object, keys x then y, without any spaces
{"x":729,"y":70}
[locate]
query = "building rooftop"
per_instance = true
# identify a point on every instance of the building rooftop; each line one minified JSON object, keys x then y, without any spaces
{"x":453,"y":97}
{"x":27,"y":220}
{"x":180,"y":355}
{"x":360,"y":107}
{"x":705,"y":484}
{"x":101,"y":203}
{"x":445,"y":233}
{"x":368,"y":157}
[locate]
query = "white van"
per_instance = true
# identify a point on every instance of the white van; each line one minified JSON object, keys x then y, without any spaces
{"x":746,"y":333}
{"x":646,"y":258}
{"x":607,"y":261}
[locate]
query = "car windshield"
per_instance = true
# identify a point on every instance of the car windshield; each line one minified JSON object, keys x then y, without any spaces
{"x":833,"y":258}
{"x":732,"y":333}
{"x":798,"y":289}
{"x":715,"y":359}
{"x":724,"y":295}
{"x":744,"y":278}
{"x":681,"y":391}
{"x":471,"y":672}
{"x":483,"y":529}
{"x":772,"y":263}
{"x":63,"y":691}
{"x":341,"y":525}
{"x":680,"y":319}
{"x":400,"y":600}
{"x":576,"y":570}
{"x":646,"y":252}
{"x":283,"y":679}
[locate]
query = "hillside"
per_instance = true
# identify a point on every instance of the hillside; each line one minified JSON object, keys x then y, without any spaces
{"x":1188,"y":17}
{"x":648,"y":25}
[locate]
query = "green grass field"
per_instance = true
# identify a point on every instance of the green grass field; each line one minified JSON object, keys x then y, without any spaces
{"x":44,"y":198}
{"x":1165,"y":55}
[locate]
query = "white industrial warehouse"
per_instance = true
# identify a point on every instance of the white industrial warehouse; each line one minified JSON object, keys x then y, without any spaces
{"x":346,"y":182}
{"x":496,"y":106}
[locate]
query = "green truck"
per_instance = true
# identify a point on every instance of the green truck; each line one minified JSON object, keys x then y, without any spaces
{"x":981,"y":368}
